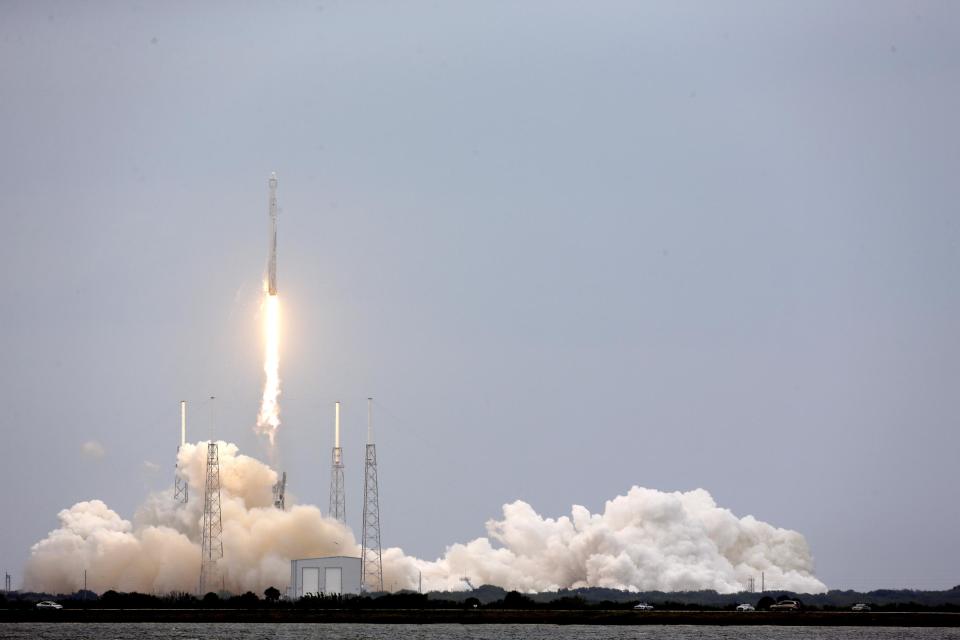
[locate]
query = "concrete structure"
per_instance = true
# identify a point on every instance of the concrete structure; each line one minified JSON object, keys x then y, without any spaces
{"x":330,"y":575}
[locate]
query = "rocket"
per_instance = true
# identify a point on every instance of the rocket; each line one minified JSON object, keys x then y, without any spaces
{"x":272,"y":260}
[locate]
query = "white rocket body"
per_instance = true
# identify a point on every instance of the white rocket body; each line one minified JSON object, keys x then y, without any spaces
{"x":272,"y":262}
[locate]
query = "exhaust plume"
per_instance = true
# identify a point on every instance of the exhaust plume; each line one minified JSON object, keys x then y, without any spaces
{"x":268,"y":420}
{"x":159,"y":551}
{"x":646,"y":540}
{"x":642,"y":541}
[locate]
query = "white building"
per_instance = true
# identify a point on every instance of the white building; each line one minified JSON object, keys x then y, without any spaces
{"x":330,"y":575}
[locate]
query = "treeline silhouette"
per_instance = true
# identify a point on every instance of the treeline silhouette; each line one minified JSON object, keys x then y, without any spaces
{"x":488,"y":597}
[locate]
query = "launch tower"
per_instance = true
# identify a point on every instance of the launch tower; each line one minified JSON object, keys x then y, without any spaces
{"x":371,"y":562}
{"x":338,"y":503}
{"x":280,"y":492}
{"x":212,"y":544}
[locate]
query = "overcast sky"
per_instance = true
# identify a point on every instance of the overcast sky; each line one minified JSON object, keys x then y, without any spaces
{"x":568,"y":246}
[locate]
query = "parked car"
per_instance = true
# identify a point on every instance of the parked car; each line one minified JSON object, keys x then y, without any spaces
{"x":48,"y":604}
{"x":643,"y":606}
{"x":745,"y":607}
{"x":785,"y":605}
{"x":860,"y":607}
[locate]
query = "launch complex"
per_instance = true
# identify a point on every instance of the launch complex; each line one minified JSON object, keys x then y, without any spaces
{"x":330,"y":575}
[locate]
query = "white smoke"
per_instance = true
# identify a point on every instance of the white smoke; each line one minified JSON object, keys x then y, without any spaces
{"x":159,"y":551}
{"x":92,"y":449}
{"x":645,"y":540}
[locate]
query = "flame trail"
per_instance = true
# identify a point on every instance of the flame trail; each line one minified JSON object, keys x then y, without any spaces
{"x":268,"y":420}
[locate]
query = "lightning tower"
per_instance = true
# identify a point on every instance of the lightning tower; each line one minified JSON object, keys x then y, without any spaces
{"x":212,"y":545}
{"x":280,"y":492}
{"x":371,"y":561}
{"x":180,"y":493}
{"x":338,"y":503}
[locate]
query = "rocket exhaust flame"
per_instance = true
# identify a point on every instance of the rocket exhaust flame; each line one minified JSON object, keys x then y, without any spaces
{"x":268,"y":420}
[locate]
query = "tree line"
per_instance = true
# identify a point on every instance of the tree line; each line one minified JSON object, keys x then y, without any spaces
{"x":488,"y":597}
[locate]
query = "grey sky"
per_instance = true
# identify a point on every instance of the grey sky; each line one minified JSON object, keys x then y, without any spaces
{"x":569,"y":247}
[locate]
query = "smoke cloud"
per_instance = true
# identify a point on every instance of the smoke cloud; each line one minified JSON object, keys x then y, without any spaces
{"x":644,"y":540}
{"x":92,"y":449}
{"x":647,"y":540}
{"x":159,"y":551}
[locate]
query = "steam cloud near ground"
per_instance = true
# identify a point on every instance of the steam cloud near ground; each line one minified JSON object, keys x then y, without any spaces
{"x":644,"y":540}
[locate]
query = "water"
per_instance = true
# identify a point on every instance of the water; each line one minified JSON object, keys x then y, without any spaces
{"x":288,"y":631}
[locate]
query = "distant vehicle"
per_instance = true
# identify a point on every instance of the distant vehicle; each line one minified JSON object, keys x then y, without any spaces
{"x":643,"y":606}
{"x":785,"y":605}
{"x":860,"y":607}
{"x":745,"y":607}
{"x":47,"y":604}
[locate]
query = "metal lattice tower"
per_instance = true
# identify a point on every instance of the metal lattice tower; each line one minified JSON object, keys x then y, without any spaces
{"x":338,"y":502}
{"x":371,"y":561}
{"x":180,"y":491}
{"x":212,"y":545}
{"x":280,"y":492}
{"x":6,"y":581}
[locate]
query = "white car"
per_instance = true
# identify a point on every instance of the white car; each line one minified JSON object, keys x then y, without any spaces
{"x":745,"y":607}
{"x":47,"y":604}
{"x":643,"y":606}
{"x":860,"y":607}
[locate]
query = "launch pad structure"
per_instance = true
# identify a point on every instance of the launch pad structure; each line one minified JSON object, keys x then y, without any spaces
{"x":371,"y":556}
{"x":280,"y":492}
